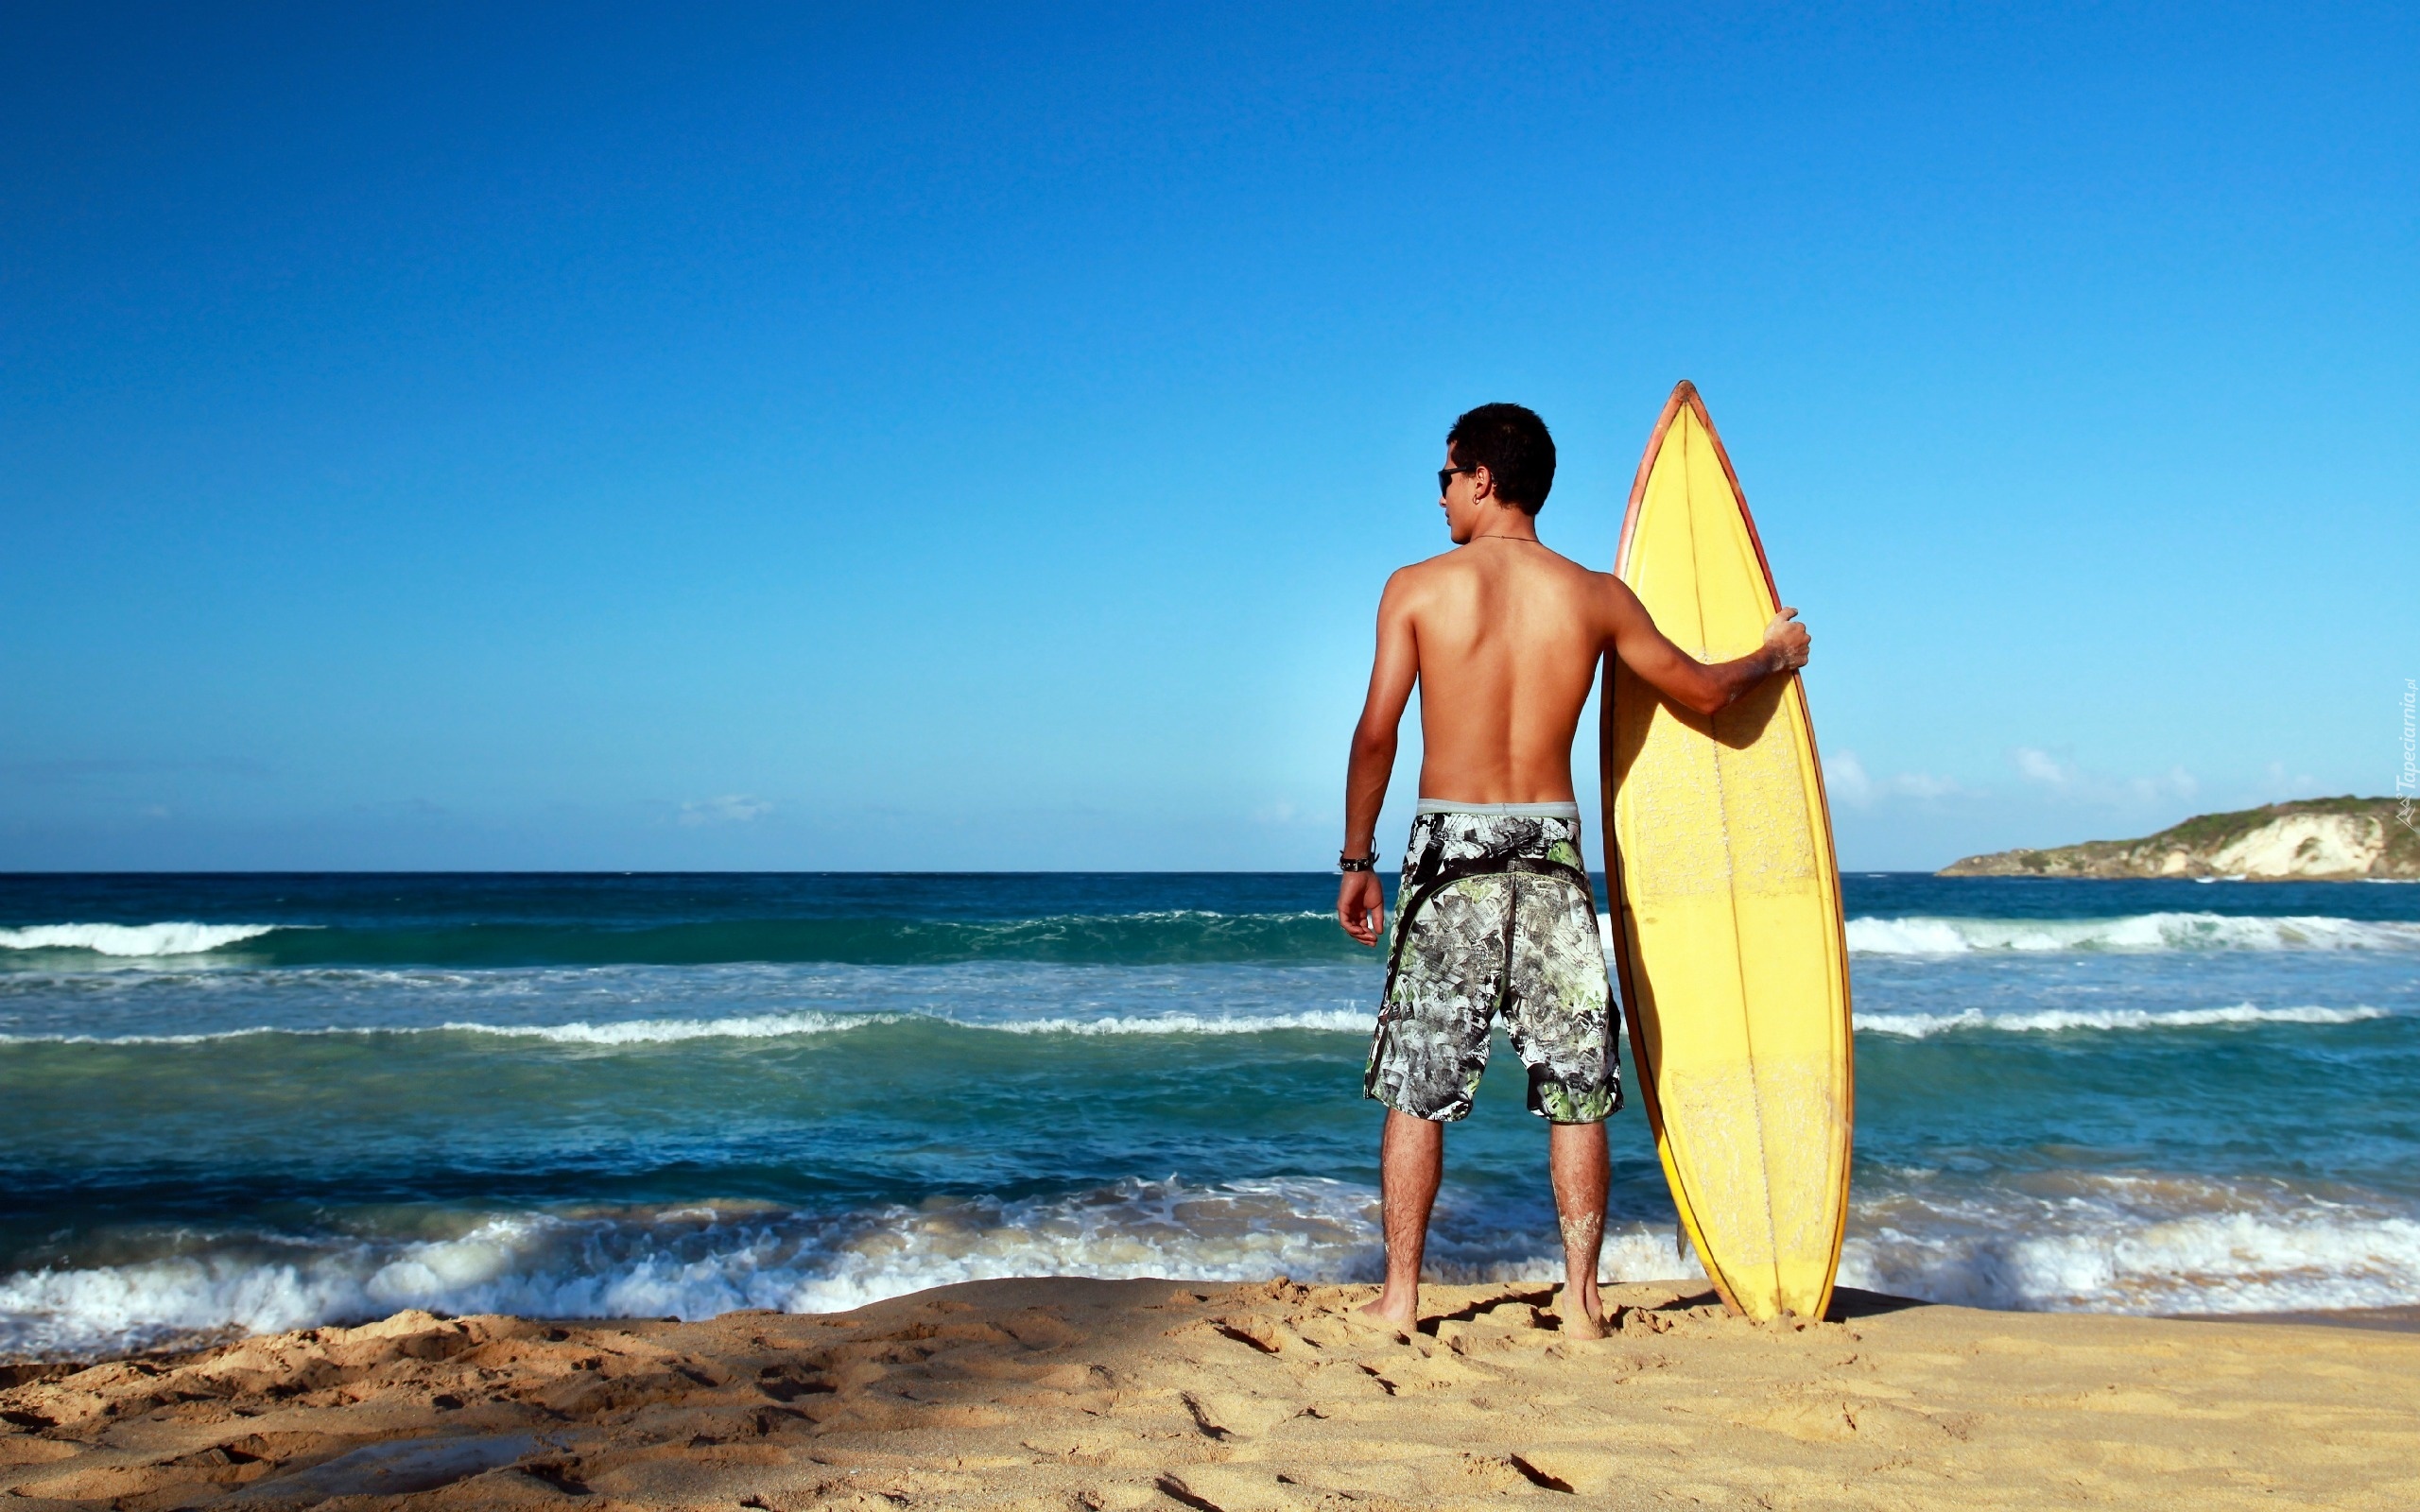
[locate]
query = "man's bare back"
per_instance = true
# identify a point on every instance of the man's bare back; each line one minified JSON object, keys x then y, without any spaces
{"x":1504,"y":638}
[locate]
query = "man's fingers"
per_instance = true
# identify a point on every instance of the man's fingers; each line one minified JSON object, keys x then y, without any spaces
{"x":1361,"y":908}
{"x":1788,"y":637}
{"x":1353,"y":914}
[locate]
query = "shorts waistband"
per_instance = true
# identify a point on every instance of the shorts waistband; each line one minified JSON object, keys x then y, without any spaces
{"x":1567,"y":809}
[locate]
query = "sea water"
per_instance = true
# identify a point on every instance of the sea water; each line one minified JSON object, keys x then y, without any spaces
{"x":262,"y":1101}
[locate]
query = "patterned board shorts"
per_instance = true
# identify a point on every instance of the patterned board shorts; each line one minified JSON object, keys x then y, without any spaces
{"x":1495,"y":916}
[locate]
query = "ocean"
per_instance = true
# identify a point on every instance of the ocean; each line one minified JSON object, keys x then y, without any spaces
{"x":258,"y":1102}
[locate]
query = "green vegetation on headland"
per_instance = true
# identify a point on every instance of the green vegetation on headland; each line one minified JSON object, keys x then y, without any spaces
{"x":2317,"y":839}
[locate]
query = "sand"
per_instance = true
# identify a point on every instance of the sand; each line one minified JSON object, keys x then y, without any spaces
{"x":1076,"y":1393}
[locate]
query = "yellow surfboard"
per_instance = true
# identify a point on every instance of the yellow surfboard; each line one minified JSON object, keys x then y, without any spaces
{"x":1728,"y":938}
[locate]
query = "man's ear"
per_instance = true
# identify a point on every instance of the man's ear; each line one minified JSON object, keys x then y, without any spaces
{"x":1482,"y":483}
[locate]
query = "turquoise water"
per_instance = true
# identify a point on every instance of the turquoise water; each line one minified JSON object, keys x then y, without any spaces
{"x":261,"y":1102}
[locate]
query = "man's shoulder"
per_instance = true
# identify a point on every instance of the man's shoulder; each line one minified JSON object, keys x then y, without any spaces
{"x":1429,"y":580}
{"x":1580,"y":569}
{"x":1412,"y":577}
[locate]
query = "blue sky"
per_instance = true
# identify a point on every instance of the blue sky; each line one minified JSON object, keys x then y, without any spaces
{"x":614,"y":438}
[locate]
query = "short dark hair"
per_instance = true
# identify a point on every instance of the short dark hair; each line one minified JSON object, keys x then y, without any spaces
{"x":1512,"y":444}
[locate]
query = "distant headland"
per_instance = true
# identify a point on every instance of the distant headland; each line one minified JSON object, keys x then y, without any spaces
{"x":2317,"y":839}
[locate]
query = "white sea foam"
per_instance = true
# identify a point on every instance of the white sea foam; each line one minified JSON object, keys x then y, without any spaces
{"x":2138,"y":1244}
{"x":1921,"y":936}
{"x":642,"y":1032}
{"x":133,"y":939}
{"x":760,"y":1027}
{"x":2049,"y":1020}
{"x":672,"y":1031}
{"x":2111,"y":1243}
{"x":770,"y":1027}
{"x":699,"y":1262}
{"x":702,"y":1260}
{"x":1357,"y":1020}
{"x":631,"y":1032}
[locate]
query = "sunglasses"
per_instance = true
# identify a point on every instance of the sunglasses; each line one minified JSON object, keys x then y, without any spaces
{"x":1446,"y":477}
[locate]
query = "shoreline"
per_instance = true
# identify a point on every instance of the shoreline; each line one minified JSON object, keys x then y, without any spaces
{"x":17,"y":1370}
{"x":2404,"y":1319}
{"x":1066,"y":1392}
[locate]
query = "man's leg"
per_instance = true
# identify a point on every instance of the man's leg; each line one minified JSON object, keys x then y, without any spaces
{"x":1561,"y":1024}
{"x":1411,"y":1161}
{"x":1575,"y":1159}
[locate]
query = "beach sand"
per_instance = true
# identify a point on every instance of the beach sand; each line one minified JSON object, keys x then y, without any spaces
{"x":1076,"y":1394}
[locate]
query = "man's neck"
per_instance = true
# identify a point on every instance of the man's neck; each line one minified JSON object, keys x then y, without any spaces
{"x":1506,"y":525}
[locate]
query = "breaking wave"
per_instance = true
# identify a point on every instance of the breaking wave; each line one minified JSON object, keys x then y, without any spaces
{"x":2137,"y":1244}
{"x":2112,"y":1245}
{"x":2051,"y":1021}
{"x":133,"y":939}
{"x":1921,"y":936}
{"x":765,"y":1026}
{"x":699,"y":1261}
{"x":1164,"y":938}
{"x":1171,"y":937}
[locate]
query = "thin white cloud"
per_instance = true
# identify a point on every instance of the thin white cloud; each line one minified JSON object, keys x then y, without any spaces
{"x":2175,"y":782}
{"x":732,"y":808}
{"x":2041,"y":768}
{"x":1844,"y":777}
{"x":2063,"y":779}
{"x":1847,"y":781}
{"x":2302,"y":784}
{"x":1925,"y":785}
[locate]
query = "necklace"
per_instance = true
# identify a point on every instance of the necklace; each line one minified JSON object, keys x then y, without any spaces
{"x":1531,"y":540}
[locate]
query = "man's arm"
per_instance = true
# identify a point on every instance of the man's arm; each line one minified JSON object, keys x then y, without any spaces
{"x":1360,"y":901}
{"x":1706,"y":688}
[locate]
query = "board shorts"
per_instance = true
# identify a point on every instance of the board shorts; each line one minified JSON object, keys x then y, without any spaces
{"x":1495,"y":916}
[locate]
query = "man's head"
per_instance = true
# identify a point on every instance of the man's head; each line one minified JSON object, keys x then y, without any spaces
{"x":1498,"y":455}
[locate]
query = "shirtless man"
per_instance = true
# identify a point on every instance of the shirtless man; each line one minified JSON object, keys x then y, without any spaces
{"x":1495,"y":916}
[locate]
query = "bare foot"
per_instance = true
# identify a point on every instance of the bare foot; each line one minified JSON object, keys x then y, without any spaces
{"x":1374,"y":1313}
{"x":1586,"y":1320}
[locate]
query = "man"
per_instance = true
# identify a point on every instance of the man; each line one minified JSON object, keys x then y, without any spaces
{"x":1495,"y":913}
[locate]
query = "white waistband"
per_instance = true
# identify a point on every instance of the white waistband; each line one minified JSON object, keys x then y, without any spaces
{"x":1564,"y":809}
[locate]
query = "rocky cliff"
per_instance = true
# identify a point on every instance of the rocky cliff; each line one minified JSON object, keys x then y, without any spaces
{"x":2319,"y":840}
